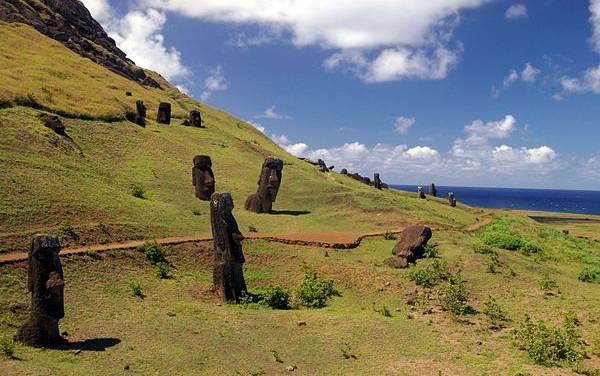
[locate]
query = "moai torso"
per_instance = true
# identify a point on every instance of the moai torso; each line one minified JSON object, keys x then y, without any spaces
{"x":432,"y":190}
{"x":377,"y":181}
{"x":202,"y":177}
{"x":228,"y":276}
{"x":164,"y":113}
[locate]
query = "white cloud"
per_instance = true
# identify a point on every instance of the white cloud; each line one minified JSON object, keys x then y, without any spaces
{"x":183,"y":89}
{"x":296,"y":149}
{"x":280,"y":139}
{"x":404,"y":39}
{"x":589,"y":82}
{"x":529,"y":73}
{"x":271,"y":113}
{"x":422,"y":152}
{"x":513,"y":76}
{"x":402,"y":124}
{"x":516,"y":12}
{"x":100,"y":9}
{"x":256,"y":125}
{"x":480,"y":132}
{"x":214,"y":82}
{"x":595,"y":20}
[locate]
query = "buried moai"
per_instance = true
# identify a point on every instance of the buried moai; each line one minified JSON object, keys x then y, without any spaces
{"x":377,"y":183}
{"x":410,"y":247}
{"x":420,"y":192}
{"x":228,"y":273}
{"x":268,"y":186}
{"x":164,"y":113}
{"x":451,"y":199}
{"x":203,"y":178}
{"x":46,"y":285}
{"x":344,"y":171}
{"x":432,"y":190}
{"x":196,"y":119}
{"x":139,"y":117}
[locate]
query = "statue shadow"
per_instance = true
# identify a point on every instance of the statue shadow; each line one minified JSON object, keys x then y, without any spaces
{"x":96,"y":344}
{"x":290,"y":212}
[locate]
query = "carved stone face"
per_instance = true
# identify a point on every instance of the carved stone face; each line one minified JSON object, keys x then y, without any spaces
{"x":203,"y":177}
{"x":46,"y":277}
{"x":270,"y":179}
{"x":195,"y":119}
{"x":164,"y":113}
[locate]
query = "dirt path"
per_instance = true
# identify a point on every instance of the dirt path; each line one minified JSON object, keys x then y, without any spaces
{"x":336,"y":240}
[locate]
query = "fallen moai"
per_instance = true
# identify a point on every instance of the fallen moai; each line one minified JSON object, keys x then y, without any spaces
{"x":46,"y":285}
{"x":410,"y":247}
{"x":268,"y":186}
{"x":228,"y":273}
{"x":203,"y":178}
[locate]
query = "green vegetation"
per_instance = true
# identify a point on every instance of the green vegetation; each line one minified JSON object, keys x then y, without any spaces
{"x":454,"y":296}
{"x":590,"y":274}
{"x":94,"y":255}
{"x":137,"y":190}
{"x":389,"y":236}
{"x":314,"y":291}
{"x":494,"y":313}
{"x":503,"y":234}
{"x":431,"y":275}
{"x":548,"y":285}
{"x":163,"y":270}
{"x":275,"y":297}
{"x":549,"y":345}
{"x":136,"y":290}
{"x":7,"y":348}
{"x":154,"y":252}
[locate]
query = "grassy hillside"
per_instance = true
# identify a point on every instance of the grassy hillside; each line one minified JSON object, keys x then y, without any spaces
{"x":47,"y":180}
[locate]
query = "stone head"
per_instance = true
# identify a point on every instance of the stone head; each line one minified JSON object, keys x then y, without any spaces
{"x":46,"y":276}
{"x":204,"y":179}
{"x":270,"y":178}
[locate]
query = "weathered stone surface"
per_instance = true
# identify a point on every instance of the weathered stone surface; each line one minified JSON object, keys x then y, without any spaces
{"x":196,"y":119}
{"x":377,"y":181}
{"x":268,"y":186}
{"x":420,"y":192}
{"x":53,"y":122}
{"x":432,"y":190}
{"x":451,"y":199}
{"x":228,"y":274}
{"x":344,"y":171}
{"x":203,"y":178}
{"x":138,"y":117}
{"x":410,"y":247}
{"x":164,"y":113}
{"x":46,"y":285}
{"x":70,"y":23}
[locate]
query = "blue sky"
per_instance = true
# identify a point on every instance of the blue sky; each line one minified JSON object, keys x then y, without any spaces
{"x":459,"y":92}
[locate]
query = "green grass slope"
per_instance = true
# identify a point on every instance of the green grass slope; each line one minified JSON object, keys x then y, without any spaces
{"x":47,"y":180}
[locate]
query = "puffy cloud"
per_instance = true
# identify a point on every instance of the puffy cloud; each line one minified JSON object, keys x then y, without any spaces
{"x":595,"y":20}
{"x":214,"y":82}
{"x":402,"y":124}
{"x":513,"y":76}
{"x":529,"y":73}
{"x":405,"y":39}
{"x":480,"y":132}
{"x":100,"y":9}
{"x":296,"y":149}
{"x":271,"y":113}
{"x":422,"y":152}
{"x":516,"y":12}
{"x":588,"y":83}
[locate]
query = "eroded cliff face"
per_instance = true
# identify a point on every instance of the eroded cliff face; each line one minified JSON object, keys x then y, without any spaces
{"x":69,"y":22}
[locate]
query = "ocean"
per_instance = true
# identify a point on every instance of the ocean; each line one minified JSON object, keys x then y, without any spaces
{"x":556,"y":200}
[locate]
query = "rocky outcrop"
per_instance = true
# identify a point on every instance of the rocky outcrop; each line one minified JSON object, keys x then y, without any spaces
{"x":69,"y":22}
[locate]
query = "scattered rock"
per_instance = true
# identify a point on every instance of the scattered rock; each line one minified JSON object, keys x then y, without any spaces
{"x":344,"y":171}
{"x":77,"y":352}
{"x":301,"y":323}
{"x":126,"y":367}
{"x":291,"y":368}
{"x":128,"y":93}
{"x":171,"y":314}
{"x":53,"y":122}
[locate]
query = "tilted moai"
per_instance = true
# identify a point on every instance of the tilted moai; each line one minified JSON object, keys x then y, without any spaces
{"x":451,"y":199}
{"x":420,"y":192}
{"x":228,"y":273}
{"x":377,"y":181}
{"x":432,"y":190}
{"x":268,"y":186}
{"x":410,"y":247}
{"x":322,"y":166}
{"x":196,"y":119}
{"x":164,"y":113}
{"x":140,"y":113}
{"x":46,"y":285}
{"x":203,"y":178}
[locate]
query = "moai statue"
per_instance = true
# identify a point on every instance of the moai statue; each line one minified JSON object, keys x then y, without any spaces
{"x":377,"y":181}
{"x":451,"y":199}
{"x":46,"y":284}
{"x":140,"y":118}
{"x":164,"y":113}
{"x":432,"y":190}
{"x":366,"y":180}
{"x":228,"y":273}
{"x":196,"y":119}
{"x":268,"y":186}
{"x":322,"y":166}
{"x":344,"y":171}
{"x":420,"y":192}
{"x":203,"y":178}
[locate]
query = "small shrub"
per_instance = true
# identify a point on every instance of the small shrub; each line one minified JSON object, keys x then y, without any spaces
{"x":163,"y":270}
{"x":67,"y":231}
{"x":154,"y":252}
{"x":493,"y":263}
{"x":136,"y":290}
{"x":94,"y":255}
{"x":590,"y":274}
{"x":7,"y":348}
{"x":548,"y":284}
{"x":529,"y":248}
{"x":251,"y":228}
{"x":454,"y":296}
{"x":485,"y":250}
{"x":431,"y":251}
{"x":549,"y":345}
{"x":347,"y":351}
{"x":275,"y":297}
{"x":383,"y":311}
{"x":494,"y":313}
{"x":314,"y":291}
{"x":502,"y":240}
{"x":389,"y":236}
{"x":137,"y":190}
{"x":430,"y":276}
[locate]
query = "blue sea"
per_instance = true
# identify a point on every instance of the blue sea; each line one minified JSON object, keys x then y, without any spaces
{"x":556,"y":200}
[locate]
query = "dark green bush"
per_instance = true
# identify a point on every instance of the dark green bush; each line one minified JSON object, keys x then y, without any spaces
{"x":431,"y":251}
{"x":502,"y":240}
{"x":163,"y":270}
{"x":275,"y":297}
{"x":389,"y":236}
{"x":590,"y":274}
{"x":136,"y":290}
{"x":137,"y":190}
{"x":153,"y":252}
{"x":7,"y":348}
{"x":430,"y":276}
{"x":314,"y":291}
{"x":94,"y":255}
{"x":549,"y":345}
{"x":252,"y":228}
